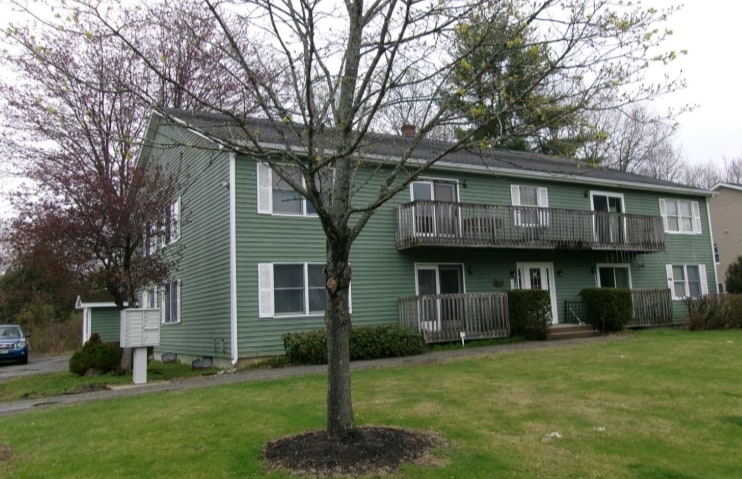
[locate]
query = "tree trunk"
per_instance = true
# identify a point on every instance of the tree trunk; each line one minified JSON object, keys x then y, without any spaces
{"x":340,"y":420}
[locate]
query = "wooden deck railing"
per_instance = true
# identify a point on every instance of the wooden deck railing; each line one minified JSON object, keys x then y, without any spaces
{"x":442,"y":318}
{"x":433,"y":223}
{"x":651,"y":307}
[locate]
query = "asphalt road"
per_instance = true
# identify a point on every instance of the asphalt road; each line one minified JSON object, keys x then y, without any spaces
{"x":37,"y":364}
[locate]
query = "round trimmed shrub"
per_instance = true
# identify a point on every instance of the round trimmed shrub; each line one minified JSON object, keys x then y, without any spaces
{"x":96,"y":356}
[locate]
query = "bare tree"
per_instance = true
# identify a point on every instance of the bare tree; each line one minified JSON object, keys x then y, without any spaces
{"x":702,"y":175}
{"x":78,"y":104}
{"x":732,"y":170}
{"x":345,"y":64}
{"x":636,"y":140}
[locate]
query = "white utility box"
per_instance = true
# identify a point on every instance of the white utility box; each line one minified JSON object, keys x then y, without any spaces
{"x":140,"y":328}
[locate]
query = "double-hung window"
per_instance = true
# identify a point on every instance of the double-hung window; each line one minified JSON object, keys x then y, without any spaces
{"x":687,"y":280}
{"x":680,"y":216}
{"x":277,"y":197}
{"x":149,"y":297}
{"x":171,"y":302}
{"x":172,"y":223}
{"x":291,"y":289}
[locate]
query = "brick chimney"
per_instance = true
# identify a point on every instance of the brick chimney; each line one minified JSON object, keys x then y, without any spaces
{"x":408,"y":131}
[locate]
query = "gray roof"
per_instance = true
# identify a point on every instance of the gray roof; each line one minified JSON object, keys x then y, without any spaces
{"x":497,"y":161}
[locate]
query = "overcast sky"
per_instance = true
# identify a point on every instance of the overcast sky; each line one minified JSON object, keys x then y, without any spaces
{"x":709,"y":30}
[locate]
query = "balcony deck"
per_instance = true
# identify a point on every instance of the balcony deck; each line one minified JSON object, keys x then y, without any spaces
{"x":446,"y":317}
{"x":440,"y":224}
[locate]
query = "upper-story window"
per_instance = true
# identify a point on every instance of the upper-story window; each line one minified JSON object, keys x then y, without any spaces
{"x":172,"y":222}
{"x":716,"y":253}
{"x":680,"y":216}
{"x":277,"y":197}
{"x":535,"y":199}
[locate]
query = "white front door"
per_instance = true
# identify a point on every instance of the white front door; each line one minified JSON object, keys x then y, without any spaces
{"x":539,"y":276}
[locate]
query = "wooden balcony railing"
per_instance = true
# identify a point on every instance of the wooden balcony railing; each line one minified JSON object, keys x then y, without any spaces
{"x":433,"y":223}
{"x":442,"y":318}
{"x":651,"y":307}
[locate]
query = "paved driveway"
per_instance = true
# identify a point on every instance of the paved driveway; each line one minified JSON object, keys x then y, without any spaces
{"x":37,"y":364}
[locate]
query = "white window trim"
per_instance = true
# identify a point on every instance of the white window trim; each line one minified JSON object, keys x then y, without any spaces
{"x":265,"y":194}
{"x":695,"y":209}
{"x":611,"y":265}
{"x":542,"y":201}
{"x":146,"y":296}
{"x":171,"y":227}
{"x":164,"y":300}
{"x":266,"y":298}
{"x":701,"y":275}
{"x":431,"y":180}
{"x":436,"y":267}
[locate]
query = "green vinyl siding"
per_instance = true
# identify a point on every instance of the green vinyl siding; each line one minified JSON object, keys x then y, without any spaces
{"x":203,"y":271}
{"x":106,"y":322}
{"x":381,"y":274}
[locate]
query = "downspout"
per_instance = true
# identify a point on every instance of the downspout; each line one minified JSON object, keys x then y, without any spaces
{"x":233,"y":260}
{"x":713,"y":257}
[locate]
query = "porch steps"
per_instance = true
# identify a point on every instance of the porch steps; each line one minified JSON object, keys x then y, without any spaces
{"x":571,"y":331}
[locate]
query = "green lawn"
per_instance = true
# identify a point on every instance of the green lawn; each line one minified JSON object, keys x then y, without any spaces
{"x":663,"y":404}
{"x":57,"y":384}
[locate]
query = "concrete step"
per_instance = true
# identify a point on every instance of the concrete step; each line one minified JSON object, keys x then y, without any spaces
{"x":571,"y":331}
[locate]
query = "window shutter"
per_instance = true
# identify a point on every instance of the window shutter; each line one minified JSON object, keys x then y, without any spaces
{"x":350,"y":299}
{"x":265,"y":189}
{"x":543,"y":197}
{"x":515,"y":200}
{"x":177,"y":284}
{"x":696,"y":217}
{"x":265,"y":290}
{"x":704,"y":282}
{"x":663,"y":213}
{"x":670,"y":283}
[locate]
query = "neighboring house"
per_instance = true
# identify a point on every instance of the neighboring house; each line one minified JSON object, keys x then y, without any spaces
{"x":99,"y":315}
{"x":726,"y":226}
{"x":441,"y":253}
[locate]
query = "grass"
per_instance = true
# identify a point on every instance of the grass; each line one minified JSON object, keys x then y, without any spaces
{"x":662,"y":404}
{"x":56,"y":384}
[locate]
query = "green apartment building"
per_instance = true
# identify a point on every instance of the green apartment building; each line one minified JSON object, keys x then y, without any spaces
{"x":442,"y":252}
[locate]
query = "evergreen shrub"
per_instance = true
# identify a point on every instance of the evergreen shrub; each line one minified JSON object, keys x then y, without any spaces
{"x":366,"y":342}
{"x":530,"y":313}
{"x":96,"y":356}
{"x":608,"y":309}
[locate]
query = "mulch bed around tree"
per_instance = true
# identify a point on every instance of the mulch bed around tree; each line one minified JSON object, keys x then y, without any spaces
{"x":371,"y":451}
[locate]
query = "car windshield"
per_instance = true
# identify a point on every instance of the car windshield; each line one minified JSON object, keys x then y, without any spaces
{"x":10,"y":332}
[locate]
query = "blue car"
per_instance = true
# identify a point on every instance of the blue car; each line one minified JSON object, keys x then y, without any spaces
{"x":13,"y":344}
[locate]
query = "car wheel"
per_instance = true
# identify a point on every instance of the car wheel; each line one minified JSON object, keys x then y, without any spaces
{"x":24,"y":359}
